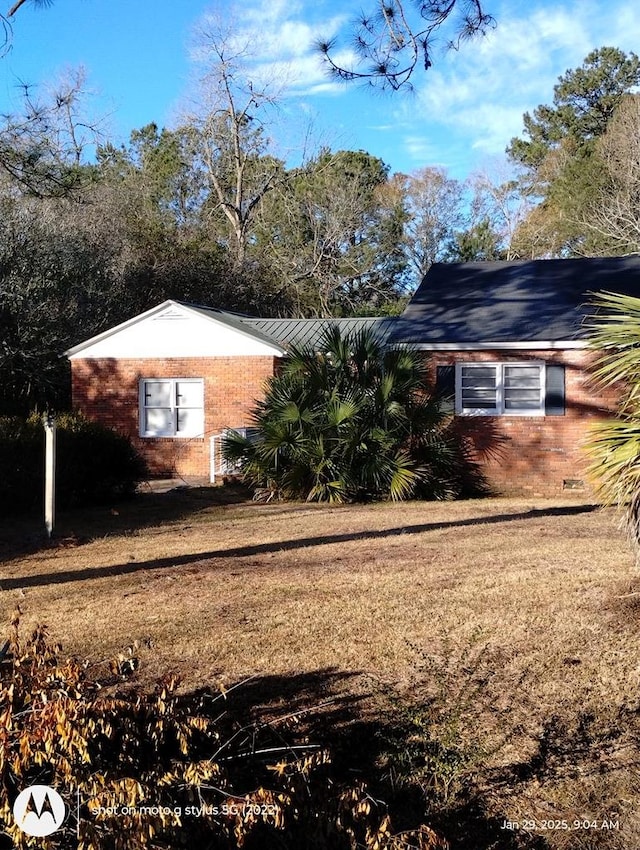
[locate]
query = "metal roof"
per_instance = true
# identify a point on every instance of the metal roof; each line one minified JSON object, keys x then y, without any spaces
{"x":278,"y":333}
{"x":298,"y":332}
{"x":307,"y":332}
{"x":523,"y":300}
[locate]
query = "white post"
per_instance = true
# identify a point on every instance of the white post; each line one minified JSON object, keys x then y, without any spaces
{"x":212,"y":460}
{"x":49,"y":473}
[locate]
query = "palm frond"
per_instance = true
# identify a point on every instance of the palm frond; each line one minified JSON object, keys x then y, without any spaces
{"x":614,"y":332}
{"x":613,"y":446}
{"x":614,"y":453}
{"x":352,"y":420}
{"x":341,"y":412}
{"x":236,"y":448}
{"x":405,"y":478}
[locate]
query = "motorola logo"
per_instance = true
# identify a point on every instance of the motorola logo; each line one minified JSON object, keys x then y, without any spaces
{"x":39,"y":810}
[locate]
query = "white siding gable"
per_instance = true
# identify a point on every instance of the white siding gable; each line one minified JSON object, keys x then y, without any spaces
{"x":173,"y":330}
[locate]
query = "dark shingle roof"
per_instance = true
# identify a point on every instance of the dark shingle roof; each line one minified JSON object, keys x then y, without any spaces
{"x":524,"y":300}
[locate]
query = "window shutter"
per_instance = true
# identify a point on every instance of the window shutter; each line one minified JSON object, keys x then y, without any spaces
{"x":554,"y":403}
{"x":446,"y":387}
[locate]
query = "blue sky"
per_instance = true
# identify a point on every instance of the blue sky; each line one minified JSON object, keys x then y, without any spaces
{"x":140,"y":59}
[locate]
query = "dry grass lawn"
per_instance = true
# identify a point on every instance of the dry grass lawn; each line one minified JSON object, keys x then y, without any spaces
{"x":536,"y":601}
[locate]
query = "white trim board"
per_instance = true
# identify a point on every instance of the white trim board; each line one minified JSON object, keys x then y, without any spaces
{"x":527,"y":345}
{"x":172,"y":329}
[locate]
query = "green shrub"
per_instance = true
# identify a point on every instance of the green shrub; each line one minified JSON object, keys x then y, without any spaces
{"x":440,"y":737}
{"x":21,"y":465}
{"x":94,"y":464}
{"x":354,"y":421}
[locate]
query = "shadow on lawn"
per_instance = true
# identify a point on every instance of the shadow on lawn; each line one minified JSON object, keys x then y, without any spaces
{"x":26,"y":535}
{"x":316,"y":707}
{"x":339,"y":711}
{"x":64,"y":576}
{"x":347,"y":714}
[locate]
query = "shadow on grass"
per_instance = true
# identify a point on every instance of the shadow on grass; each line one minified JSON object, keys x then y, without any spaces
{"x":64,"y":576}
{"x":274,"y":719}
{"x":339,"y":711}
{"x":26,"y":535}
{"x":316,"y":707}
{"x":358,"y":729}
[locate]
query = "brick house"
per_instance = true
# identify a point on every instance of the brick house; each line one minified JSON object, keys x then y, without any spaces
{"x":175,"y":377}
{"x":505,"y":341}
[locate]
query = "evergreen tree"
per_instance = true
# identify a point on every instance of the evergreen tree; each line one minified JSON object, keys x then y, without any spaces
{"x":560,"y":153}
{"x":479,"y":242}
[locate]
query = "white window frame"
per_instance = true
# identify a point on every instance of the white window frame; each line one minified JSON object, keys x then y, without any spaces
{"x":173,"y":431}
{"x":499,"y":409}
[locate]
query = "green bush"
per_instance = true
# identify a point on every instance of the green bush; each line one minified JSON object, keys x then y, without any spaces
{"x":94,"y":464}
{"x":355,"y":420}
{"x":439,"y":738}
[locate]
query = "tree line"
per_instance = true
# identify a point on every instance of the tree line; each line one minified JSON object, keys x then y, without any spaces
{"x":93,"y":232}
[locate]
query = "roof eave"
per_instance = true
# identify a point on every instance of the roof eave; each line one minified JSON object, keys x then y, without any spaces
{"x":170,"y":302}
{"x":531,"y":344}
{"x":76,"y":349}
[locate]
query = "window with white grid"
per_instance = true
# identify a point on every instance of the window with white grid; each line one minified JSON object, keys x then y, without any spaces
{"x":171,"y":407}
{"x":500,"y":389}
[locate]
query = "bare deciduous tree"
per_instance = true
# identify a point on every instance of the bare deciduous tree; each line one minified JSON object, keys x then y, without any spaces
{"x":615,"y":214}
{"x":504,"y":200}
{"x":229,"y":136}
{"x":434,"y":204}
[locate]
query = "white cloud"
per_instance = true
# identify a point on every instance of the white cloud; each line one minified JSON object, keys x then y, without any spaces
{"x":421,"y":149}
{"x":493,"y":126}
{"x":278,"y":39}
{"x":480,"y":92}
{"x":469,"y":104}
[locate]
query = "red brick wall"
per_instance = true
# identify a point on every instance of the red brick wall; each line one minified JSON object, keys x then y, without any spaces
{"x":107,"y":390}
{"x":534,"y":455}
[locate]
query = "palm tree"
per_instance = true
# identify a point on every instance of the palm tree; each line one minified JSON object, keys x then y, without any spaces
{"x":353,"y":421}
{"x":614,"y":444}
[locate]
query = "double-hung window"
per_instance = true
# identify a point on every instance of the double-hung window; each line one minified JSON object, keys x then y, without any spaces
{"x":493,"y":389}
{"x":171,"y":407}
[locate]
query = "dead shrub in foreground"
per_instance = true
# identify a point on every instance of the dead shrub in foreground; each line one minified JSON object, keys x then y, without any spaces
{"x":156,"y":770}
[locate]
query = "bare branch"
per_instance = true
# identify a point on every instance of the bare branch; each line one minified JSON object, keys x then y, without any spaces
{"x":229,"y":134}
{"x":615,"y":213}
{"x":42,"y":149}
